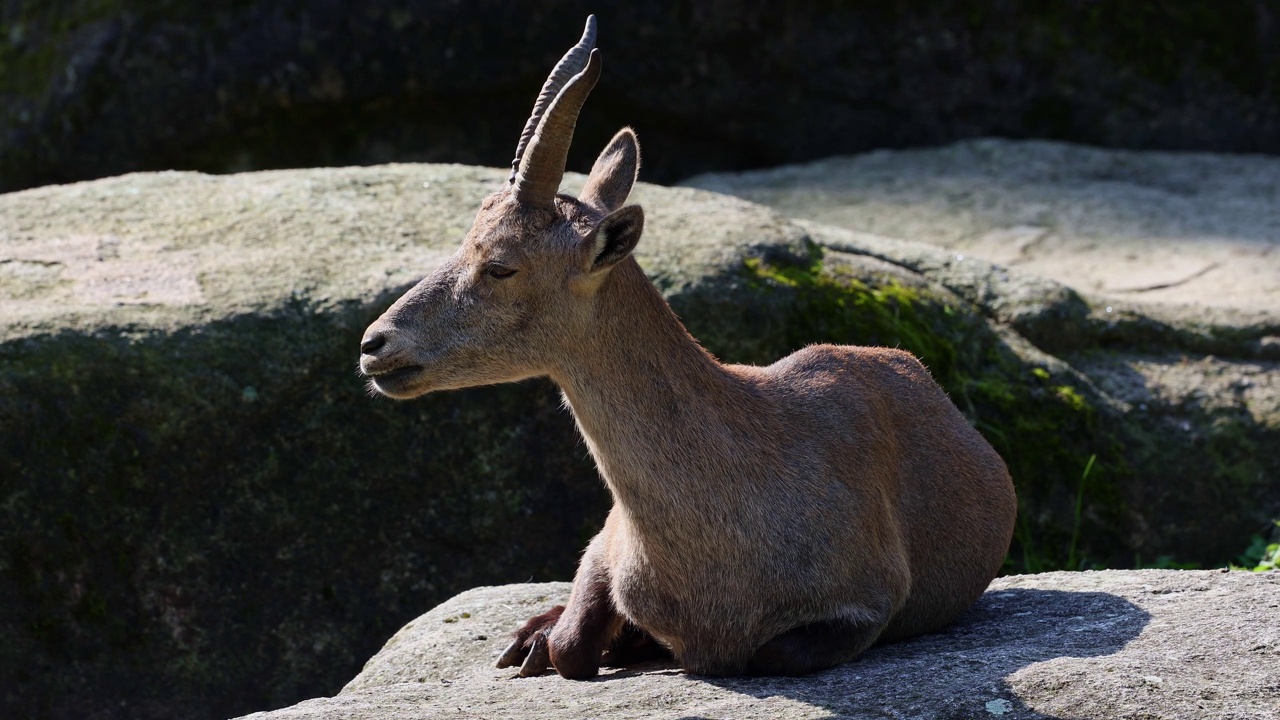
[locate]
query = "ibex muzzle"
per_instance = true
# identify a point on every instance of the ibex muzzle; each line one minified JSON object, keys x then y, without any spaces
{"x":766,"y":520}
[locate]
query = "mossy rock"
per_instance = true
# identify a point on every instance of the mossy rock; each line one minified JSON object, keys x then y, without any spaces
{"x":1179,"y":366}
{"x":1039,"y":414}
{"x":203,"y":512}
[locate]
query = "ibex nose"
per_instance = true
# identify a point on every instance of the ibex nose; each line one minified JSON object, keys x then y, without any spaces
{"x":370,"y":344}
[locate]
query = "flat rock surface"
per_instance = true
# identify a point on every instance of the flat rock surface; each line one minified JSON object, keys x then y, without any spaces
{"x":1184,"y":228}
{"x":161,"y":250}
{"x":1152,"y":644}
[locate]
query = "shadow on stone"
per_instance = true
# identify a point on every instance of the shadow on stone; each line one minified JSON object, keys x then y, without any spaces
{"x":962,"y":671}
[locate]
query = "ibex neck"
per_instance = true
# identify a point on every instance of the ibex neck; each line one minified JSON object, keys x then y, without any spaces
{"x":646,"y":396}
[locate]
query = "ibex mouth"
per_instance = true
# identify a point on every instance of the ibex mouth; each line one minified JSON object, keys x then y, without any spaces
{"x":391,"y":381}
{"x":397,"y":373}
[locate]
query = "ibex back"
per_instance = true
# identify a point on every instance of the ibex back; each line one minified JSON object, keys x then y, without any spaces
{"x":766,"y":520}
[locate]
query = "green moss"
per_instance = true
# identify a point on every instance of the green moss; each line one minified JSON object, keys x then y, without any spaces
{"x":1261,"y":556}
{"x":1072,"y":398}
{"x":832,"y":305}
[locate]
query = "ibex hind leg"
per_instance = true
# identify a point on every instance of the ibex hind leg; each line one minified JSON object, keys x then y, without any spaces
{"x":813,"y":647}
{"x":634,"y":646}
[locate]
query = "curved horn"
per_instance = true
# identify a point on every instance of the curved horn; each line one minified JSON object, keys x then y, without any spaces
{"x":571,"y":64}
{"x":542,"y":167}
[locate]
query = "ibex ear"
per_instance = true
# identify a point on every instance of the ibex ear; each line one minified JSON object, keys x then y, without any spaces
{"x":614,"y":173}
{"x":615,"y":237}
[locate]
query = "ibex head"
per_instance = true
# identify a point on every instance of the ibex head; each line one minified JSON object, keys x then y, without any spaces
{"x":523,"y":283}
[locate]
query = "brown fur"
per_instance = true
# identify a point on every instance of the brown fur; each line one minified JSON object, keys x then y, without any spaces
{"x":766,"y":520}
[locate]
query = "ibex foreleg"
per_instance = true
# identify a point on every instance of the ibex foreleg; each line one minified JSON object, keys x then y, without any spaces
{"x":574,"y":637}
{"x":529,"y":648}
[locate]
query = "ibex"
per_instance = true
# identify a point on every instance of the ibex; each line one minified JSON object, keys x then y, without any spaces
{"x":767,"y":520}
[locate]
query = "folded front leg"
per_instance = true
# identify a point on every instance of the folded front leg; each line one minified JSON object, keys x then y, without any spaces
{"x":570,"y":638}
{"x":529,"y":648}
{"x":590,"y":621}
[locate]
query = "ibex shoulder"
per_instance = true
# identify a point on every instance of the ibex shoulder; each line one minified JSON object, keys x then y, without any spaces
{"x":875,"y":364}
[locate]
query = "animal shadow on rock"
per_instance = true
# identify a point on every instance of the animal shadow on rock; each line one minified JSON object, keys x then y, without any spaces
{"x":955,"y":673}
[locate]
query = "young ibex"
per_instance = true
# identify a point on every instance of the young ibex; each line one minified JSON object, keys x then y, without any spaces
{"x":766,"y":520}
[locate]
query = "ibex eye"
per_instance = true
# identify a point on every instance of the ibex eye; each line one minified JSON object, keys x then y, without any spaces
{"x":499,"y":272}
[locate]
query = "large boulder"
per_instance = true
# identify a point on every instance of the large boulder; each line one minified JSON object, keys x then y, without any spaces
{"x":1162,"y":645}
{"x":90,"y":88}
{"x":1161,"y":279}
{"x":202,"y":511}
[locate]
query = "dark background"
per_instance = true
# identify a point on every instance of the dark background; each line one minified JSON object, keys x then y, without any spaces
{"x":92,"y":88}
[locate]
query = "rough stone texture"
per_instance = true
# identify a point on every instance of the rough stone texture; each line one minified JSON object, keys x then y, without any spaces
{"x":203,"y":513}
{"x":1188,"y":402}
{"x":1155,"y":275}
{"x":160,"y":251}
{"x":1141,"y":227}
{"x":1155,"y":645}
{"x":90,"y":88}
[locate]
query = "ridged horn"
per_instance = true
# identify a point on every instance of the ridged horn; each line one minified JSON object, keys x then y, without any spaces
{"x":571,"y":64}
{"x":541,"y":168}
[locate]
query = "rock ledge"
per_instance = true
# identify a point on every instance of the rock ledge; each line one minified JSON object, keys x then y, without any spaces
{"x":1152,"y":644}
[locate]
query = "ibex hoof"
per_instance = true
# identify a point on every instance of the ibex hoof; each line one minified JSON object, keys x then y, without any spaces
{"x":514,"y":653}
{"x":539,"y":658}
{"x":530,"y":649}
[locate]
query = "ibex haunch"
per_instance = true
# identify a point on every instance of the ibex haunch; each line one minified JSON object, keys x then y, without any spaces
{"x":766,"y":520}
